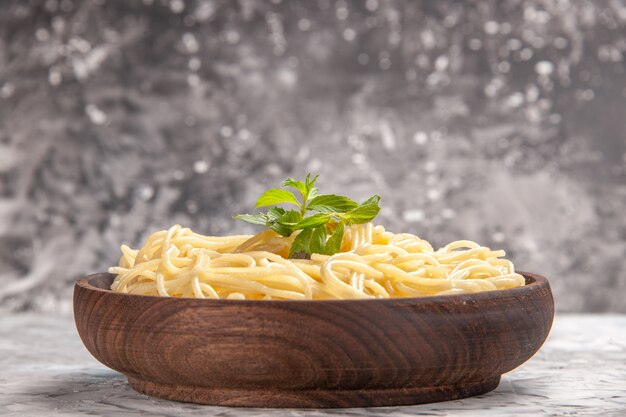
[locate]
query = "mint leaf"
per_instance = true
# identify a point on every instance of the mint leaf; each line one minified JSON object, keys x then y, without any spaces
{"x":281,"y":229}
{"x":375,"y":199}
{"x":310,"y":186}
{"x":334,"y":242}
{"x":307,"y":242}
{"x":310,"y":182}
{"x":260,"y":219}
{"x":290,"y":218}
{"x":298,"y":185}
{"x":306,"y":189}
{"x":362,"y":214}
{"x":323,"y":231}
{"x":300,"y":245}
{"x":274,"y":213}
{"x":285,"y":224}
{"x":331,"y":203}
{"x":318,"y":240}
{"x":276,"y":196}
{"x":312,"y":193}
{"x":313,"y":221}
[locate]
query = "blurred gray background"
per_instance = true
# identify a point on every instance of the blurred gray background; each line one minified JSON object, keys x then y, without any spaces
{"x":502,"y":122}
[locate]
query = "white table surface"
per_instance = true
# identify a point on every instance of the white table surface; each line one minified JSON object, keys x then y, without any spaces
{"x":46,"y":371}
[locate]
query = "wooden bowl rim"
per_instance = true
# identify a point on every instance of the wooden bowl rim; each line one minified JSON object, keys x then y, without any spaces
{"x":534,"y":283}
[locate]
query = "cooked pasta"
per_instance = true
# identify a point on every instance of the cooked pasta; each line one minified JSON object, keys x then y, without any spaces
{"x":371,"y":263}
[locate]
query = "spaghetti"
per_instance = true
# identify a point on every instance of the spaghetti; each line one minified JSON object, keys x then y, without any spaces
{"x":372,"y":263}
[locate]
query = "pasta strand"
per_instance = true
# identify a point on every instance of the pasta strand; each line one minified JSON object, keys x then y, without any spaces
{"x":372,"y":263}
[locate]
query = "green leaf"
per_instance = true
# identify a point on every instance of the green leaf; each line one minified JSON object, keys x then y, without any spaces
{"x":276,"y":196}
{"x":275,"y":213}
{"x":307,"y":242}
{"x":313,"y":221}
{"x":362,"y":214}
{"x":285,"y":224}
{"x":375,"y":199}
{"x":298,"y":185}
{"x":310,"y":186}
{"x":306,"y":188}
{"x":260,"y":219}
{"x":331,"y":203}
{"x":318,"y":240}
{"x":321,"y":232}
{"x":290,"y":218}
{"x":310,"y":182}
{"x":281,"y":229}
{"x":334,"y":242}
{"x":300,"y":245}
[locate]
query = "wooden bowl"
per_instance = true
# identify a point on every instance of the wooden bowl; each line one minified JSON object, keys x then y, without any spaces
{"x":326,"y":353}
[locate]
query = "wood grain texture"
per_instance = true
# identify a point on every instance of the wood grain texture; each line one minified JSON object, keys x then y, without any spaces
{"x":327,"y":353}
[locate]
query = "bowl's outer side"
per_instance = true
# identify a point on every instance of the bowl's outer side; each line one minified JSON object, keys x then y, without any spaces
{"x":300,"y":345}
